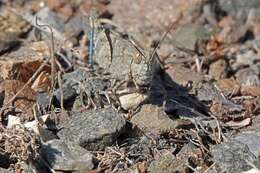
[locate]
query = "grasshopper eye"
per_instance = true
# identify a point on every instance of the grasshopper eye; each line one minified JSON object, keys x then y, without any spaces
{"x":137,"y":58}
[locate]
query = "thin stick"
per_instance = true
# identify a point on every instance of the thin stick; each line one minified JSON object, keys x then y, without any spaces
{"x":209,"y":168}
{"x":91,"y":41}
{"x":26,"y":84}
{"x":52,"y":50}
{"x":61,"y":92}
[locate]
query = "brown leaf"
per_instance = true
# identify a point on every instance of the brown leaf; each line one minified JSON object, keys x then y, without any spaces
{"x":250,"y":91}
{"x":24,"y":101}
{"x":42,"y":82}
{"x":240,"y":124}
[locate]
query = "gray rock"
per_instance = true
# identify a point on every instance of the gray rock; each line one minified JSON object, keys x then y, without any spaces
{"x":233,"y":157}
{"x":166,"y":164}
{"x":252,"y":140}
{"x":49,"y":17}
{"x":73,"y":78}
{"x":74,"y":26}
{"x":67,"y":156}
{"x":208,"y":92}
{"x":248,"y":76}
{"x":8,"y":41}
{"x":246,"y":57}
{"x":235,"y":5}
{"x":188,"y":36}
{"x":69,"y":94}
{"x":94,"y":129}
{"x":152,"y":118}
{"x":43,"y":100}
{"x":5,"y":170}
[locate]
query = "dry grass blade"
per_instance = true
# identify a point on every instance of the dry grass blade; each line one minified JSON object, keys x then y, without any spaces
{"x":61,"y":92}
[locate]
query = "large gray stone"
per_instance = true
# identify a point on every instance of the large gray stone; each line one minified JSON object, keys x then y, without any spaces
{"x":166,"y":164}
{"x":235,"y":5}
{"x":5,"y":170}
{"x":189,"y":35}
{"x":152,"y":118}
{"x":94,"y":129}
{"x":67,"y":156}
{"x":233,"y":157}
{"x":252,"y":140}
{"x":51,"y":18}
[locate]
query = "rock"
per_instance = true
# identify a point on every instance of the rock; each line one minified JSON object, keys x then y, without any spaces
{"x":49,"y":17}
{"x":247,"y":77}
{"x":12,"y":23}
{"x":234,"y":28}
{"x":149,"y":22}
{"x":5,"y":170}
{"x":189,"y":35}
{"x":43,"y":100}
{"x":246,"y":57}
{"x":218,"y":69}
{"x":191,"y":154}
{"x":235,"y":5}
{"x":78,"y":75}
{"x":67,"y":156}
{"x":94,"y":129}
{"x":8,"y":41}
{"x":208,"y":92}
{"x":253,"y":21}
{"x":74,"y":26}
{"x":69,"y":94}
{"x":152,"y":118}
{"x":166,"y":164}
{"x":233,"y":157}
{"x":251,"y":139}
{"x":184,"y":76}
{"x":132,"y":101}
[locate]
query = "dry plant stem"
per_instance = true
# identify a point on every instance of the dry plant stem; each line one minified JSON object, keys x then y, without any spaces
{"x":186,"y":164}
{"x":61,"y":92}
{"x":52,"y":50}
{"x":209,"y":168}
{"x":121,"y":155}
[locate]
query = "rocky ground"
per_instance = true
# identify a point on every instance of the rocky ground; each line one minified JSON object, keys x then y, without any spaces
{"x":112,"y":86}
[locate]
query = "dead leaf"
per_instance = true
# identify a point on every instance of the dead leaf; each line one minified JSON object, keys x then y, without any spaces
{"x":22,"y":63}
{"x":240,"y":124}
{"x":42,"y":82}
{"x":24,"y":101}
{"x":250,"y":91}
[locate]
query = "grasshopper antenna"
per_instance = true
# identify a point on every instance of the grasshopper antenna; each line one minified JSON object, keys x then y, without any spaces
{"x":173,"y":25}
